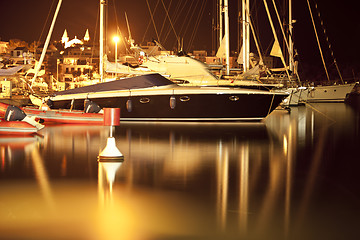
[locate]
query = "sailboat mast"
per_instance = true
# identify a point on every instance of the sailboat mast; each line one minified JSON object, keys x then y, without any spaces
{"x":245,"y":34}
{"x":291,"y":46}
{"x":275,"y":37}
{"x":220,"y":21}
{"x":227,"y":44}
{"x":101,"y":41}
{"x":37,"y":69}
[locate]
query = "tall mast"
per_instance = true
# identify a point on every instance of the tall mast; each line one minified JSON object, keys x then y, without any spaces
{"x":37,"y":69}
{"x":245,"y":34}
{"x":220,"y":21}
{"x":101,"y":39}
{"x":227,"y":44}
{"x":275,"y":36}
{"x":291,"y":47}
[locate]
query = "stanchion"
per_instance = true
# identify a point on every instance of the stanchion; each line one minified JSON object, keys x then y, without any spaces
{"x":111,"y":152}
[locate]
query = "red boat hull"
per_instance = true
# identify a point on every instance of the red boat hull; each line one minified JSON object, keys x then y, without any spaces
{"x":59,"y":116}
{"x":65,"y":116}
{"x":16,"y":128}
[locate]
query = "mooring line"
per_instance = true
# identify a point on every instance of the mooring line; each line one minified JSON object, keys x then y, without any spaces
{"x":315,"y":109}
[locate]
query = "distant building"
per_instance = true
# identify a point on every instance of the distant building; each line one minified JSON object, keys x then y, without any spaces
{"x":65,"y":37}
{"x":71,"y":43}
{"x":3,"y":47}
{"x":200,"y":55}
{"x":77,"y":60}
{"x":19,"y":51}
{"x":210,"y":60}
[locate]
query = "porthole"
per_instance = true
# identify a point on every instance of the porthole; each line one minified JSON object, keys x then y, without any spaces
{"x":234,"y":98}
{"x":145,"y":100}
{"x":184,"y":98}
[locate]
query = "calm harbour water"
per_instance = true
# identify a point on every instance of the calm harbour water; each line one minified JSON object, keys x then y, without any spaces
{"x":292,"y":176}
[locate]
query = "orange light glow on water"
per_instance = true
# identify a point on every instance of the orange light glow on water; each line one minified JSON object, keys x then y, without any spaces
{"x":191,"y":181}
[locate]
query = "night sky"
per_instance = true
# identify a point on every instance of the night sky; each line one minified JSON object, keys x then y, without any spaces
{"x":26,"y":20}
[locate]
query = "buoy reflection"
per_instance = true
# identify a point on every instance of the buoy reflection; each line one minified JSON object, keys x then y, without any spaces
{"x":106,"y":179}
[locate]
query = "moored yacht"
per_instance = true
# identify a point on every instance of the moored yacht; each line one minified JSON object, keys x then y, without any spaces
{"x":153,"y":97}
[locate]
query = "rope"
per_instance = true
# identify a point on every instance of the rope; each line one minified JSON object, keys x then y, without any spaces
{"x":323,"y":114}
{"x":272,"y":100}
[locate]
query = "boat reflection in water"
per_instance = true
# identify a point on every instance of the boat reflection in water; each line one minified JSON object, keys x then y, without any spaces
{"x":291,"y":177}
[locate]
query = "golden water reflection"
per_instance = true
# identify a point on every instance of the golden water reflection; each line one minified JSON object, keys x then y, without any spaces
{"x":188,"y":181}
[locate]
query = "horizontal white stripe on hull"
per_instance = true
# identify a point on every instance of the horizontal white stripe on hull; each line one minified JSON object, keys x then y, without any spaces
{"x":66,"y":118}
{"x":191,"y":119}
{"x":159,"y":92}
{"x":18,"y":130}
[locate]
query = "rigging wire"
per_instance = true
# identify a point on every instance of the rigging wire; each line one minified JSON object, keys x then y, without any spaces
{"x":176,"y":17}
{"x":95,"y":34}
{"x":189,"y":22}
{"x":152,"y":19}
{"x":118,"y":32}
{"x":202,"y":10}
{"x":275,"y":36}
{"x":317,"y":39}
{"x":178,"y":10}
{"x":167,"y":14}
{"x":285,"y":39}
{"x":328,"y":42}
{"x":46,"y":21}
{"x":163,"y":23}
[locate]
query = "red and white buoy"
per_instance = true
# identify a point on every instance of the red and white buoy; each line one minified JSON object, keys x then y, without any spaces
{"x":111,"y":152}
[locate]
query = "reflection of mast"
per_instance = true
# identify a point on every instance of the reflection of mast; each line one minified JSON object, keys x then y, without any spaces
{"x":289,"y":150}
{"x":222,"y":184}
{"x":41,"y":176}
{"x":244,"y":188}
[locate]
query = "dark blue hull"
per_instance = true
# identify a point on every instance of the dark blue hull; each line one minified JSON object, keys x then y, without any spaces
{"x":189,"y":107}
